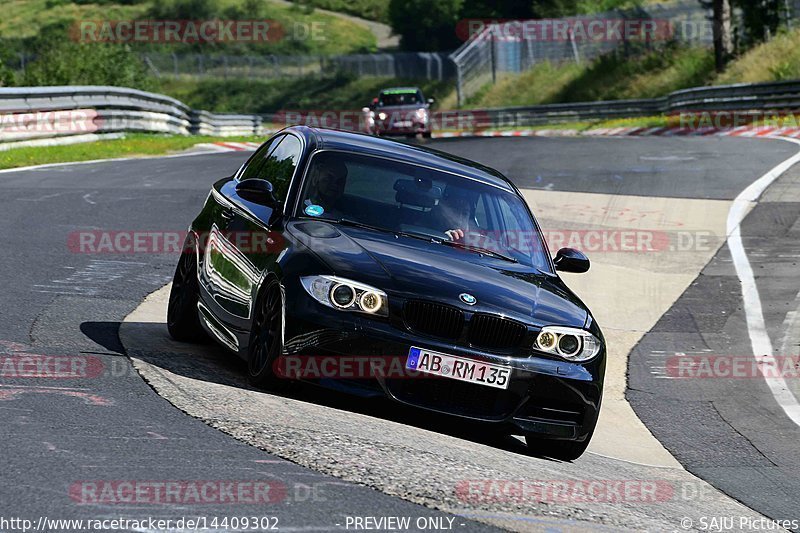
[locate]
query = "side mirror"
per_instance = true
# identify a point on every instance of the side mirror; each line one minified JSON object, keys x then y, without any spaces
{"x":365,"y":109}
{"x":257,"y":191}
{"x":571,"y":260}
{"x":431,"y":101}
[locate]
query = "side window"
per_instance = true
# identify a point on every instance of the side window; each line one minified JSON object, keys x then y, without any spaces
{"x":279,"y":167}
{"x":519,"y":234}
{"x":481,"y":213}
{"x":253,"y":168}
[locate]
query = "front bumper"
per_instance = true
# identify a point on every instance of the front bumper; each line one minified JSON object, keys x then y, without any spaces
{"x":393,"y":128}
{"x":553,"y":398}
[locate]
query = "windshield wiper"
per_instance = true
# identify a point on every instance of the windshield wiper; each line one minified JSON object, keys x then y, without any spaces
{"x":357,"y":224}
{"x":428,"y":238}
{"x":479,"y":250}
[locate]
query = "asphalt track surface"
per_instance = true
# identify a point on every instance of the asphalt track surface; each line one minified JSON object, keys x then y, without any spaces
{"x":58,"y":433}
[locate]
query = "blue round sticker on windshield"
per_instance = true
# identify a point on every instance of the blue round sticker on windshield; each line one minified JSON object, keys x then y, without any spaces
{"x":314,"y":210}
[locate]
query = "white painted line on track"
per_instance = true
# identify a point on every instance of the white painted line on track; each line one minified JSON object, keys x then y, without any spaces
{"x":754,"y":314}
{"x":111,"y":160}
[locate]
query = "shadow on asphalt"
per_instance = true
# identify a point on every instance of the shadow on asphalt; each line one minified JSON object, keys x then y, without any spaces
{"x":212,"y":363}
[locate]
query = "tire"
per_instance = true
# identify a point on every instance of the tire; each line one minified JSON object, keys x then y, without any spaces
{"x":265,"y":347}
{"x":427,"y":135}
{"x":565,"y":450}
{"x":183,"y":322}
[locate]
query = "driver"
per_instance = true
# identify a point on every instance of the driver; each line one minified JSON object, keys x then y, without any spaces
{"x":326,"y":185}
{"x":454,"y":211}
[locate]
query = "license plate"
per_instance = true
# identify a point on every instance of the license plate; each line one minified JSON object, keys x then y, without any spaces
{"x":460,"y":368}
{"x":403,"y":124}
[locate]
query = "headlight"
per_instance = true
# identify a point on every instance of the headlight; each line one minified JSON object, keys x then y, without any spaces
{"x":422,"y":114}
{"x":382,"y":115}
{"x":572,"y":344}
{"x":346,"y":295}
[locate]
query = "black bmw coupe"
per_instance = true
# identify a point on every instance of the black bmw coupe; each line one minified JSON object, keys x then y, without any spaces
{"x":336,"y":246}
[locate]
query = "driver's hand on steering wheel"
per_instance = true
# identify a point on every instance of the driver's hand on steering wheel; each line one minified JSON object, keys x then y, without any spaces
{"x":455,"y":234}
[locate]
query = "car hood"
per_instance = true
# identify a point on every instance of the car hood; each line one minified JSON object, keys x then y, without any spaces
{"x":413,"y":268}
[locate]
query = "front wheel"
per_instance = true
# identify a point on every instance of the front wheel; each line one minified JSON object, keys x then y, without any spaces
{"x":183,"y":322}
{"x":265,"y":340}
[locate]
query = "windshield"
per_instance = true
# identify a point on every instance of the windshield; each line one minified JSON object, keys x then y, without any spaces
{"x":405,"y":98}
{"x":404,"y":198}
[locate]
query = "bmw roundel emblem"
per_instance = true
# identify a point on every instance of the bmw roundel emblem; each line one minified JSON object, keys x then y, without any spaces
{"x":468,"y":298}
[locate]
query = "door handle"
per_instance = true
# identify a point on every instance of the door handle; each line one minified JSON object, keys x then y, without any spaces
{"x":226,"y":214}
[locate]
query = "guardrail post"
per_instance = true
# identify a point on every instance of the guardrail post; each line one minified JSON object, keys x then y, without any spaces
{"x":459,"y":88}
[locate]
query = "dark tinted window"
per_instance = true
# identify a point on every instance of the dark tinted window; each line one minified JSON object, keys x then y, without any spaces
{"x":400,"y":98}
{"x":280,"y":165}
{"x":397,"y":196}
{"x":253,"y":168}
{"x":276,"y":163}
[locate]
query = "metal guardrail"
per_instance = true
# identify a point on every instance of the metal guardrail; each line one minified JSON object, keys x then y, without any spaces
{"x":28,"y":113}
{"x":763,"y":97}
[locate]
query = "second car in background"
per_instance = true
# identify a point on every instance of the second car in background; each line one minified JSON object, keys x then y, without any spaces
{"x":399,"y":111}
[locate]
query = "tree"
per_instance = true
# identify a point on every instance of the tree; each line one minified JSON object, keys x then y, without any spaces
{"x":424,"y":25}
{"x":760,"y":18}
{"x":723,"y":33}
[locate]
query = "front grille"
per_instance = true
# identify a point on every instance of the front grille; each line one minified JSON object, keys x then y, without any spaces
{"x":434,"y":319}
{"x":495,"y":333}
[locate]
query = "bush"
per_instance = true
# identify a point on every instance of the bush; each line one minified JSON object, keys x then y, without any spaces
{"x":59,"y":60}
{"x":184,"y":10}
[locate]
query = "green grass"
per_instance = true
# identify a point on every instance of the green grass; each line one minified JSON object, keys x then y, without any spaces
{"x":611,"y":77}
{"x":267,"y":96}
{"x":776,"y":60}
{"x":367,"y":9}
{"x":647,"y":75}
{"x":133,"y":145}
{"x":336,"y":35}
{"x":24,"y":18}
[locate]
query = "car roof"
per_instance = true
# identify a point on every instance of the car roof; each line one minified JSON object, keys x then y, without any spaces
{"x":361,"y":143}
